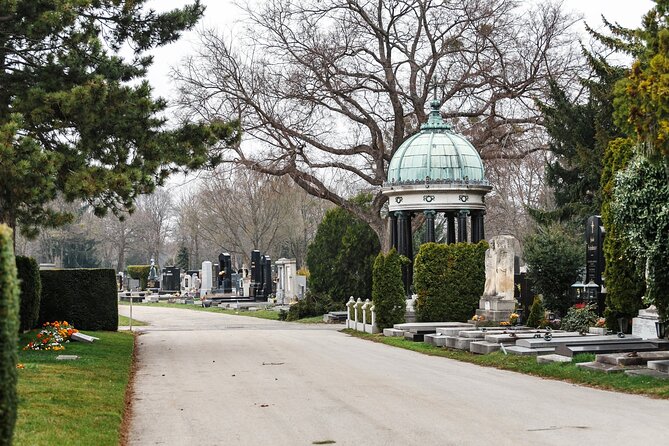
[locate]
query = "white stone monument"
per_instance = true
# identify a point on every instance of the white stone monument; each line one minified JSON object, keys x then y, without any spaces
{"x":286,"y":287}
{"x":644,"y":324}
{"x":207,"y":273}
{"x":497,"y":302}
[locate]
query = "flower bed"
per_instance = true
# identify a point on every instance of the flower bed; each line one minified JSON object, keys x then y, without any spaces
{"x":52,"y":336}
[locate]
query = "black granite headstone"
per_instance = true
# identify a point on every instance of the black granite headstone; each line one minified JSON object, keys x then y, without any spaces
{"x":171,"y":279}
{"x":594,"y":267}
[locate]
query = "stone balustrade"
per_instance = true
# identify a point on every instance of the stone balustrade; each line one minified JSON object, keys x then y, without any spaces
{"x":356,"y":308}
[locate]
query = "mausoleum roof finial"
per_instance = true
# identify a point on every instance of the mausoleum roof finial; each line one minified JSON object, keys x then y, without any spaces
{"x":434,"y":120}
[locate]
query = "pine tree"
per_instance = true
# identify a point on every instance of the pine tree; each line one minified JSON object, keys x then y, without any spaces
{"x":182,"y":260}
{"x":78,"y":119}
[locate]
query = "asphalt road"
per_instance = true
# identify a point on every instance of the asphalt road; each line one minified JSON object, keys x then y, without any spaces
{"x":213,"y":379}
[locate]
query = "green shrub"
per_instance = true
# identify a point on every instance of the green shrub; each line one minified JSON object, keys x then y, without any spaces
{"x":449,"y":280}
{"x":141,"y":273}
{"x":86,"y":298}
{"x":31,"y":290}
{"x":313,"y":304}
{"x":283,"y":314}
{"x":580,"y":319}
{"x":388,"y":290}
{"x":554,"y":262}
{"x":9,"y":329}
{"x":537,"y":313}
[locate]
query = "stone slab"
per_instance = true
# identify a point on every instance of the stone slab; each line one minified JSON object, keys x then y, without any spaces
{"x":600,"y":367}
{"x":648,"y":373}
{"x":80,"y":337}
{"x":429,"y":326}
{"x":450,"y":341}
{"x":483,"y":347}
{"x":644,"y":328}
{"x":659,"y":365}
{"x":638,"y":358}
{"x":576,"y":340}
{"x":525,"y":351}
{"x":463,"y":343}
{"x":570,"y":350}
{"x":437,"y":340}
{"x":546,"y":359}
{"x":67,"y":357}
{"x":415,"y":337}
{"x":393,"y":332}
{"x":597,"y":330}
{"x":513,"y":337}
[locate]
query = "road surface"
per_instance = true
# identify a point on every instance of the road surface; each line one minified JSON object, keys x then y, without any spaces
{"x":214,"y":379}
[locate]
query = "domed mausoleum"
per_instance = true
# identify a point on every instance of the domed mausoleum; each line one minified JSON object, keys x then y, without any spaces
{"x":433,"y":171}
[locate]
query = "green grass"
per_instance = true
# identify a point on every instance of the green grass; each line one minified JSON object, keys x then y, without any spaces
{"x":262,"y":314}
{"x":74,"y":402}
{"x":618,"y":382}
{"x":124,"y":321}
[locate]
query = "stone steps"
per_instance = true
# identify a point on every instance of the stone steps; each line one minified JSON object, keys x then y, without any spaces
{"x":484,"y":347}
{"x":659,"y":365}
{"x":438,"y":340}
{"x":550,"y":358}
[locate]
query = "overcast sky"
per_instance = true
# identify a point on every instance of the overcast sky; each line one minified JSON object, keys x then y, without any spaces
{"x":224,"y":15}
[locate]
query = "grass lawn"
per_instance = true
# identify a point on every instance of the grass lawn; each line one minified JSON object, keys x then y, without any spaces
{"x":74,"y":402}
{"x":125,"y":321}
{"x":262,"y":314}
{"x":618,"y":382}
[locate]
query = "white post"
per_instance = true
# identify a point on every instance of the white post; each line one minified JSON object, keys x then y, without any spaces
{"x":358,"y":305}
{"x":130,"y":311}
{"x":373,"y":310}
{"x":365,"y":308}
{"x":350,"y":305}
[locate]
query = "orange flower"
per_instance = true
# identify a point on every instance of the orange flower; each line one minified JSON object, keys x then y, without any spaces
{"x":20,"y":366}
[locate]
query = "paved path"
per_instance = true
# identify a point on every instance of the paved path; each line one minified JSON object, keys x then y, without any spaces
{"x":210,"y":379}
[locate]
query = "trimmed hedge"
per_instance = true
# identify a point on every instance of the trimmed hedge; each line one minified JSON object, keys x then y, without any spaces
{"x":141,"y":273}
{"x":86,"y":298}
{"x":31,"y":289}
{"x":388,"y":290}
{"x":449,"y":280}
{"x":9,"y":329}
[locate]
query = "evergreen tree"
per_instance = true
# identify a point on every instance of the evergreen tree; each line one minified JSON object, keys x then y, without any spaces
{"x":341,"y":256}
{"x":554,"y":262}
{"x":183,"y":259}
{"x":77,"y":119}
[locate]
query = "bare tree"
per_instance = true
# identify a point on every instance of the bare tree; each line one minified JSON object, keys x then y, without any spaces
{"x":239,"y":210}
{"x":330,"y":89}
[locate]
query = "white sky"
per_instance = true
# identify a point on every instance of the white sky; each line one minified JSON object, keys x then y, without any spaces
{"x":224,"y":15}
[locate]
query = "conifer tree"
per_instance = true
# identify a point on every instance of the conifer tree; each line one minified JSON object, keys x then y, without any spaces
{"x":79,"y":120}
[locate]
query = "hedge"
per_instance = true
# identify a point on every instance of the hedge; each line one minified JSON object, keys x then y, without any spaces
{"x":388,"y":290}
{"x":141,"y":273}
{"x":31,"y":289}
{"x":449,"y":280}
{"x":9,"y":329}
{"x":86,"y":298}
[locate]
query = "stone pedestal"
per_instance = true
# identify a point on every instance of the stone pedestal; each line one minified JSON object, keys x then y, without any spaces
{"x":496,"y":308}
{"x":644,"y":325}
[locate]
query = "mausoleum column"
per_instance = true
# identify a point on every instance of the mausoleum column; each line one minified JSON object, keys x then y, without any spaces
{"x":429,"y":220}
{"x":450,"y":223}
{"x":393,"y":230}
{"x":476,"y":226}
{"x":401,"y":218}
{"x":482,"y":228}
{"x":462,"y":225}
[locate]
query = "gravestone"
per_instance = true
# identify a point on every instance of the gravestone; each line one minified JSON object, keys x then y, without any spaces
{"x":170,"y":280}
{"x":256,"y":274}
{"x":286,"y":287}
{"x":501,"y":264}
{"x":205,"y":287}
{"x":225,"y":274}
{"x":594,"y":266}
{"x":644,"y":324}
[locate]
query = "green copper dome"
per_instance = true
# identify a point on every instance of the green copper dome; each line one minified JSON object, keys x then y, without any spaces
{"x":437,"y":153}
